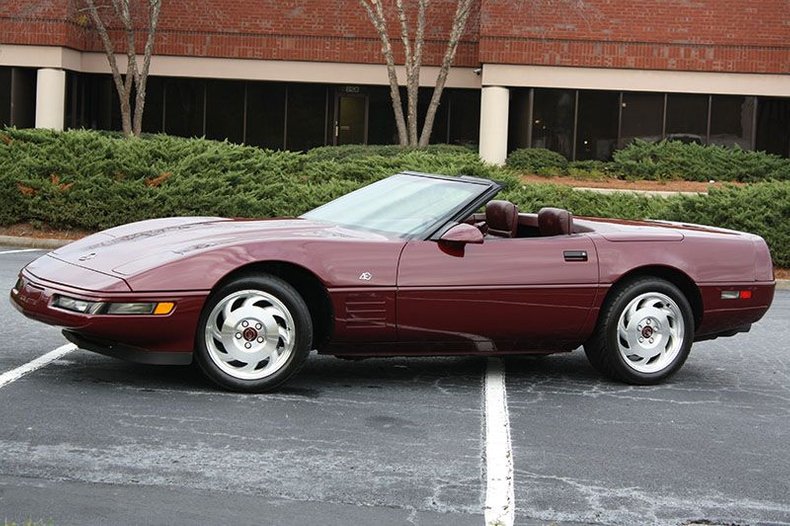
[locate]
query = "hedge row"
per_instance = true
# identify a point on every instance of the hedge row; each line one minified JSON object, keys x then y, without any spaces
{"x":90,"y":180}
{"x":660,"y":161}
{"x":760,"y":208}
{"x":84,"y":179}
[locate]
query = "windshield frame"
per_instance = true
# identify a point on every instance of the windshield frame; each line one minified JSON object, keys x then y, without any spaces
{"x":487,"y":190}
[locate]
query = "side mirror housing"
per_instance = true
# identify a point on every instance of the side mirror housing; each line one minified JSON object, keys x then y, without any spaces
{"x":462,"y":234}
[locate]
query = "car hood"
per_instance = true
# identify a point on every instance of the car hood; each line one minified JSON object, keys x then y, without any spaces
{"x":132,"y":248}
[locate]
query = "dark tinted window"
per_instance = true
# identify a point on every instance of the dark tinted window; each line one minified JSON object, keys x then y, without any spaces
{"x":552,"y":120}
{"x":266,"y":115}
{"x":773,"y":126}
{"x":731,"y":120}
{"x":464,"y":117}
{"x":225,"y":110}
{"x":687,"y":117}
{"x":307,"y":125}
{"x":5,"y":96}
{"x":381,"y":120}
{"x":596,"y":131}
{"x":154,"y":105}
{"x":184,"y":107}
{"x":642,"y":118}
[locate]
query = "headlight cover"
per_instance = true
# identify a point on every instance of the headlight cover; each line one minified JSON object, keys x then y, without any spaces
{"x":77,"y":305}
{"x":97,"y":307}
{"x":131,"y":308}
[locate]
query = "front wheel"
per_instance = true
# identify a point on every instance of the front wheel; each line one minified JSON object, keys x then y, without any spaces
{"x":254,"y":334}
{"x":644,"y":334}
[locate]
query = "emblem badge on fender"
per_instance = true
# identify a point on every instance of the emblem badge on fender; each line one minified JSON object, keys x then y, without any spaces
{"x":366,"y":276}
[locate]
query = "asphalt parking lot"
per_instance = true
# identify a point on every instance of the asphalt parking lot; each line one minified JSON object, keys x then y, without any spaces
{"x":91,"y":440}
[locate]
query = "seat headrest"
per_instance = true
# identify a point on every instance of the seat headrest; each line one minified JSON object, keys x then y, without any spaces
{"x":555,"y":222}
{"x":502,"y":218}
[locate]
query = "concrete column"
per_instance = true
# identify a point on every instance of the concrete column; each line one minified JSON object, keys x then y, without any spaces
{"x":50,"y":98}
{"x":494,"y":107}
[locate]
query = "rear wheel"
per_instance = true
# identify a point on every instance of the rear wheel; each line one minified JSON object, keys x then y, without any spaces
{"x":254,"y":334}
{"x":644,"y":334}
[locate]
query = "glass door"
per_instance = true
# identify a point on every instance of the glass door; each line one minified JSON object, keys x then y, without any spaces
{"x":351,"y":119}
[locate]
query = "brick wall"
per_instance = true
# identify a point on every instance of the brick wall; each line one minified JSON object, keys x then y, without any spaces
{"x":322,"y":30}
{"x":695,"y":35}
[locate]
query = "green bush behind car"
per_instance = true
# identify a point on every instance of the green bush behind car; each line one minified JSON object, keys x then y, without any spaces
{"x":94,"y":180}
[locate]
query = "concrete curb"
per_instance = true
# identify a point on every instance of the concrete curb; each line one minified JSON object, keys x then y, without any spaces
{"x":33,"y":242}
{"x":648,"y":193}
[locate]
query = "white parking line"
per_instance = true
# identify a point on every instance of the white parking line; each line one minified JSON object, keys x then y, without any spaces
{"x":22,"y":250}
{"x":15,"y":374}
{"x":500,"y":500}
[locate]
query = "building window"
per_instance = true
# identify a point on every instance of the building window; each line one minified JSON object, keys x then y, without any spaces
{"x":17,"y":97}
{"x":381,"y":121}
{"x":773,"y":126}
{"x":687,"y":118}
{"x":464,"y":116}
{"x":266,"y":115}
{"x":5,"y":96}
{"x":184,"y":107}
{"x":596,"y":128}
{"x":225,"y":110}
{"x":642,"y":117}
{"x":552,"y":120}
{"x":307,"y":117}
{"x":154,"y":105}
{"x":731,"y":121}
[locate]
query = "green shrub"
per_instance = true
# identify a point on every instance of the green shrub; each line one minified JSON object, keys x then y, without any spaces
{"x":695,"y":162}
{"x":760,"y":208}
{"x":537,"y":160}
{"x":89,"y":180}
{"x":383,"y":150}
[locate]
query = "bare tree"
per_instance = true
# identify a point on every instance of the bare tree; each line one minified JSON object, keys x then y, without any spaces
{"x":413,"y":45}
{"x":137,"y":78}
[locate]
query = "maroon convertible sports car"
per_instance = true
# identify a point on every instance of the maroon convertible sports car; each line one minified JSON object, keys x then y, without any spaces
{"x":404,"y":266}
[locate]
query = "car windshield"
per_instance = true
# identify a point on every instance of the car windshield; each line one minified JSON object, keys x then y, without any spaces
{"x":405,"y":205}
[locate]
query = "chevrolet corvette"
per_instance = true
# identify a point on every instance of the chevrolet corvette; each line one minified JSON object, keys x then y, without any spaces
{"x":413,"y":264}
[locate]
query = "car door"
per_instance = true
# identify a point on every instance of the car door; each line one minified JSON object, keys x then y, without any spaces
{"x":501,"y":295}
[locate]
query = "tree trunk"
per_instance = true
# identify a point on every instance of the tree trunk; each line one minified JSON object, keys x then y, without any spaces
{"x":131,"y":124}
{"x":375,"y":11}
{"x":462,"y":11}
{"x":409,"y":133}
{"x":141,"y":80}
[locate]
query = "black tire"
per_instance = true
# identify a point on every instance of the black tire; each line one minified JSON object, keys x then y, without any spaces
{"x":257,"y":302}
{"x":609,"y":354}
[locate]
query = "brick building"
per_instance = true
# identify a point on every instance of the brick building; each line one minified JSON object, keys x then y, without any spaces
{"x":581,"y":77}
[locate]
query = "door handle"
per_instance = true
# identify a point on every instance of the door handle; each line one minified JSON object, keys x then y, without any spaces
{"x":575,"y":255}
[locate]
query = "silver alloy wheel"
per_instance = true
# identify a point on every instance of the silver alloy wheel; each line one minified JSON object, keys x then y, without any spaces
{"x":650,"y":332}
{"x":250,"y":334}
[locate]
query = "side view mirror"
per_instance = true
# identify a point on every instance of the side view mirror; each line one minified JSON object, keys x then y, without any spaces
{"x":462,"y":234}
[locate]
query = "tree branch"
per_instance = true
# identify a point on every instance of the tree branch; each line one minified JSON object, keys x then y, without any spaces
{"x":375,"y":12}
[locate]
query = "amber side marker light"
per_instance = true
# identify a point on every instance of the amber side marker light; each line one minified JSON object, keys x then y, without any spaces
{"x":736,"y":294}
{"x":163,"y":308}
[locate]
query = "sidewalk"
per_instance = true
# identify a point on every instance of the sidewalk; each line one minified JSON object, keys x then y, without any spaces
{"x":649,"y":193}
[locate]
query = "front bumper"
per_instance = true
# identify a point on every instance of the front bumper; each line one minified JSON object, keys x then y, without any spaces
{"x":133,"y":337}
{"x":127,"y":352}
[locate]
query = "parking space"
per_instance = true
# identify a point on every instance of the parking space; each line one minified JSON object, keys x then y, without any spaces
{"x":92,"y":440}
{"x":23,"y":339}
{"x":399,"y":437}
{"x":709,"y":445}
